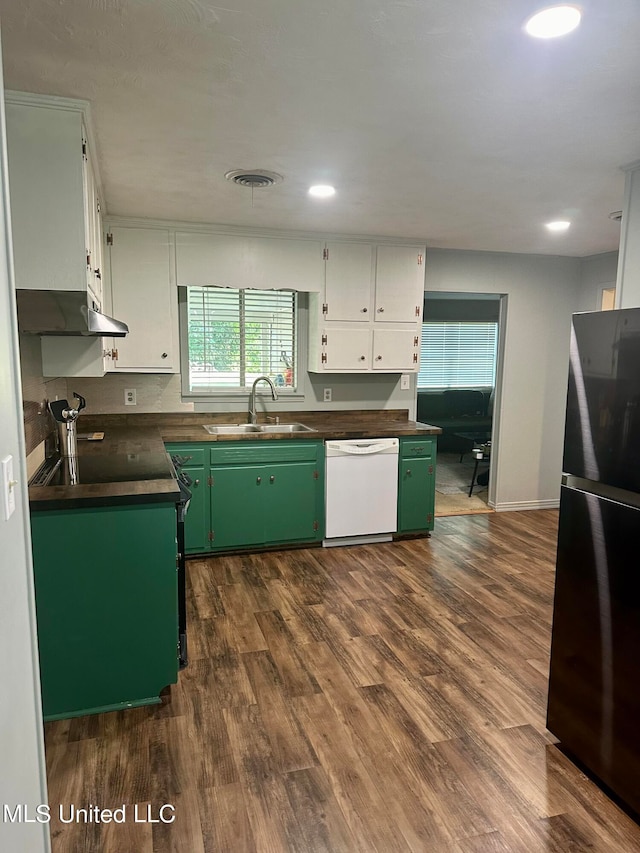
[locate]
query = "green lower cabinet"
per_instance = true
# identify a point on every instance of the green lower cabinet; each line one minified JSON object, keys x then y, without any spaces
{"x":291,"y":511}
{"x":416,"y":485}
{"x":196,"y":523}
{"x":237,"y":506}
{"x":257,"y":493}
{"x":106,"y":605}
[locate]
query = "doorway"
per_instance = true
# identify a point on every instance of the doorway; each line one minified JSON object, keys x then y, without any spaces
{"x":457,"y":389}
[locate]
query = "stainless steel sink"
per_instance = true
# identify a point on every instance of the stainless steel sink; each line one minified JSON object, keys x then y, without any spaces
{"x":286,"y":428}
{"x":252,"y":429}
{"x":231,"y":429}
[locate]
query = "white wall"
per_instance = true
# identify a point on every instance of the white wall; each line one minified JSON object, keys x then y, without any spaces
{"x":22,"y":775}
{"x":628,"y":281}
{"x":596,"y":272}
{"x":542,"y":293}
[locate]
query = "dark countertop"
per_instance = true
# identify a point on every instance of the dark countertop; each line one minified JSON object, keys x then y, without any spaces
{"x":130,"y":464}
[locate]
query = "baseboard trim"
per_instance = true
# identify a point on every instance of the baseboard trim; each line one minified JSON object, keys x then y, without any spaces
{"x":523,"y":505}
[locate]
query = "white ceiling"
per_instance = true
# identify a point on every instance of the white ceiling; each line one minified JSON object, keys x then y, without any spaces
{"x":434,"y":119}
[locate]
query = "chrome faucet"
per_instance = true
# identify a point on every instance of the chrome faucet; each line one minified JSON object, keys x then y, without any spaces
{"x":252,"y":397}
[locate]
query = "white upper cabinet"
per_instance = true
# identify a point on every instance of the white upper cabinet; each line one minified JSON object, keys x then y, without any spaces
{"x":349,"y":272}
{"x":262,"y":263}
{"x":144,"y":296}
{"x":52,"y":193}
{"x":372,"y":291}
{"x":399,"y":284}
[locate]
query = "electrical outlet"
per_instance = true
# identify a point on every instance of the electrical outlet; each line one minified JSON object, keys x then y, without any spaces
{"x":405,"y":382}
{"x":130,"y":397}
{"x":8,"y":488}
{"x":327,"y":395}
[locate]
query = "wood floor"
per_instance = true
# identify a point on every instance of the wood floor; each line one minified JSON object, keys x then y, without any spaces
{"x":377,"y":698}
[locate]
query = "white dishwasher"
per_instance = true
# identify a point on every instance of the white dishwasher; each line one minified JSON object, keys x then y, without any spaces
{"x":361,"y":490}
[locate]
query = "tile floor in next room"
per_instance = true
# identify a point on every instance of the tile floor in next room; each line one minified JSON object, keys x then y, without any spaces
{"x":374,"y":698}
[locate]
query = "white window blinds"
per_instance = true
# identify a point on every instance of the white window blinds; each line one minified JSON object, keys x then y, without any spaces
{"x":458,"y":355}
{"x":234,"y":336}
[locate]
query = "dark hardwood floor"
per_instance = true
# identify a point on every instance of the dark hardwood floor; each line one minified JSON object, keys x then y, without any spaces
{"x":375,"y":698}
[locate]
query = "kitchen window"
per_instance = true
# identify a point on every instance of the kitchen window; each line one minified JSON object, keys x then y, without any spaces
{"x":458,"y":355}
{"x":235,"y":336}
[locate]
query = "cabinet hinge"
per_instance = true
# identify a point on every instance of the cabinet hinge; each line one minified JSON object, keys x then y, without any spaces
{"x":325,"y":254}
{"x":323,"y":358}
{"x":209,"y":481}
{"x":114,"y":354}
{"x":429,"y":518}
{"x":315,"y":525}
{"x":416,"y":341}
{"x":315,"y":475}
{"x":323,"y":340}
{"x":109,"y":238}
{"x":431,"y":469}
{"x":325,"y":308}
{"x":98,"y":209}
{"x":211,"y":536}
{"x":84,"y":150}
{"x":417,"y":310}
{"x":415,"y":358}
{"x":88,"y":260}
{"x":419,"y":260}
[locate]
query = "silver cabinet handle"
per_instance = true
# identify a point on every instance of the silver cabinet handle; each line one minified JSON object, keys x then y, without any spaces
{"x":408,"y":472}
{"x":164,"y":355}
{"x":380,"y":310}
{"x":196,"y":482}
{"x":258,"y":480}
{"x":272,"y":479}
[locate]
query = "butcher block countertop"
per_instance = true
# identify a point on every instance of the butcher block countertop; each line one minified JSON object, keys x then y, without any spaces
{"x":130,"y":464}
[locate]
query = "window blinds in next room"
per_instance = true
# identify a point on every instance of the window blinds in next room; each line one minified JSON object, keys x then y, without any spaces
{"x":458,"y":355}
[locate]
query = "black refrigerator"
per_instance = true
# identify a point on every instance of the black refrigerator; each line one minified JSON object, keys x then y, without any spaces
{"x":594,"y":682}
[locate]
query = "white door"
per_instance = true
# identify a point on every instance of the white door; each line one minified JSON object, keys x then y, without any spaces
{"x":346,"y":349}
{"x":349,"y":269}
{"x":144,"y":299}
{"x":399,"y":284}
{"x":396,"y":350}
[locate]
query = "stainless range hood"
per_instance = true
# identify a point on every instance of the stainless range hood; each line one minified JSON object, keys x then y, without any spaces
{"x":63,"y":312}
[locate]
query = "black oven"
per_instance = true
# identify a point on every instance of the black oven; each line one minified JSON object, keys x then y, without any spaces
{"x":182,"y":505}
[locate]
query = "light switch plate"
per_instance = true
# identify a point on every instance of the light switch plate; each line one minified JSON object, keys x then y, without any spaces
{"x":130,"y":397}
{"x":327,"y":395}
{"x":405,"y":382}
{"x":8,"y":488}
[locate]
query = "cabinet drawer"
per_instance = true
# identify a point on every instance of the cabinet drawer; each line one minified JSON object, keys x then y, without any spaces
{"x":249,"y":453}
{"x":417,"y":447}
{"x":194,"y":453}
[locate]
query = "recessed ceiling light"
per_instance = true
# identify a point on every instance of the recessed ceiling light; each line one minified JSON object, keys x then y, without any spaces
{"x":322,"y":191}
{"x":554,"y":21}
{"x":559,"y":225}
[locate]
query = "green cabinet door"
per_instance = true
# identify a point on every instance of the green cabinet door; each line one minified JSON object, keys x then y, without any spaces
{"x":293,"y":505}
{"x":237,"y":506}
{"x":416,"y":494}
{"x":196,"y":523}
{"x":416,"y":484}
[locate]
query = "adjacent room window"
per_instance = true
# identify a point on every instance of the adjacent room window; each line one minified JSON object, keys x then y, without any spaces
{"x":234,"y":336}
{"x":458,"y":355}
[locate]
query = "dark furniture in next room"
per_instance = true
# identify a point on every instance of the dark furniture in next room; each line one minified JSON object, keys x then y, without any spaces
{"x":456,"y":411}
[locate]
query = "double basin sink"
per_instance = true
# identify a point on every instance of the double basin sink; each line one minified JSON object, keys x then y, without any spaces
{"x":256,"y":429}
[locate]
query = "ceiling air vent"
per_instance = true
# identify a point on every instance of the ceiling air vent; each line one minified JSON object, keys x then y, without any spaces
{"x":253,"y":178}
